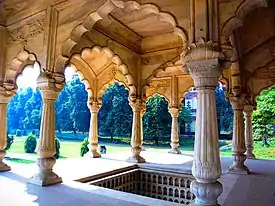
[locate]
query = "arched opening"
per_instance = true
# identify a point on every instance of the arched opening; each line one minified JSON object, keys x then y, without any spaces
{"x":157,"y":123}
{"x":115,"y":119}
{"x":263,"y":124}
{"x":24,"y":116}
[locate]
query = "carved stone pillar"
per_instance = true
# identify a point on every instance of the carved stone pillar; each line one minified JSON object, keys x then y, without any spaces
{"x":5,"y":96}
{"x":203,"y":63}
{"x":50,"y":85}
{"x":238,"y":142}
{"x":174,"y":131}
{"x":248,"y":111}
{"x":93,"y":132}
{"x":136,"y":139}
{"x":141,"y":126}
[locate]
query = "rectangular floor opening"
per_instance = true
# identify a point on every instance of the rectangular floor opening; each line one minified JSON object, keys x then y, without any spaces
{"x":168,"y":186}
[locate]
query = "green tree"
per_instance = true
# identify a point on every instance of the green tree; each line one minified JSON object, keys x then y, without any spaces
{"x":157,"y":120}
{"x":185,"y":116}
{"x":115,"y":115}
{"x":263,"y":118}
{"x":79,"y":112}
{"x":224,"y":110}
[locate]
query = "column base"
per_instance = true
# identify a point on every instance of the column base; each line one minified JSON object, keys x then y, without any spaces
{"x":241,"y":170}
{"x":137,"y":159}
{"x":94,"y":154}
{"x":45,"y":176}
{"x":4,"y":167}
{"x":206,"y":193}
{"x":174,"y":151}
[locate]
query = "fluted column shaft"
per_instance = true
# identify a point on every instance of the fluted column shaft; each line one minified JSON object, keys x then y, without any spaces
{"x":248,"y":111}
{"x":46,"y":146}
{"x":4,"y":100}
{"x":238,"y":141}
{"x":141,"y":126}
{"x":50,"y":85}
{"x":203,"y":63}
{"x":136,"y":138}
{"x":174,"y":130}
{"x":93,"y":132}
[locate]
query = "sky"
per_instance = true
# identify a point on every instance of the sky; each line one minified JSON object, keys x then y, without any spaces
{"x":30,"y":74}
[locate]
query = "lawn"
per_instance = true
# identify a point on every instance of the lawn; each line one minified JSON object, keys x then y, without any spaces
{"x":72,"y":148}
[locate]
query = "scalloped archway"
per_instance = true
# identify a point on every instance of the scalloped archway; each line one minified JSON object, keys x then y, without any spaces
{"x":99,"y":67}
{"x":110,"y":5}
{"x":17,"y":65}
{"x":237,"y":20}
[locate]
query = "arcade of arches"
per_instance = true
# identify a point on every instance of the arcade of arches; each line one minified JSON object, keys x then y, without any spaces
{"x":164,"y":47}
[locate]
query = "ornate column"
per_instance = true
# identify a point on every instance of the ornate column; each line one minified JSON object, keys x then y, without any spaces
{"x":5,"y":96}
{"x":141,"y":126}
{"x":49,"y":84}
{"x":238,"y":142}
{"x":93,"y":132}
{"x":203,"y":63}
{"x":174,"y":111}
{"x":136,"y":138}
{"x":248,"y":111}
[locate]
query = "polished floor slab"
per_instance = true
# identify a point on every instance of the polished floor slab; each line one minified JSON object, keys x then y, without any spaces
{"x":256,"y":189}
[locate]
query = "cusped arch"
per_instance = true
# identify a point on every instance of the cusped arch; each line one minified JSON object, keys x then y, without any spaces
{"x":85,"y":63}
{"x":17,"y":65}
{"x":102,"y":13}
{"x":157,"y":93}
{"x":111,"y":83}
{"x":237,"y":20}
{"x":83,"y":79}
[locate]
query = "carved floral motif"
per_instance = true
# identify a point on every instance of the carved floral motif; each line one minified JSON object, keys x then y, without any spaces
{"x":26,"y":31}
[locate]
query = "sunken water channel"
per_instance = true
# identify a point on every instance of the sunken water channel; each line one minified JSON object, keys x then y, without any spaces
{"x":168,"y":186}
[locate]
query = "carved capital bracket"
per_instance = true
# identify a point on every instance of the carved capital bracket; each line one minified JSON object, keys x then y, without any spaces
{"x":94,"y":106}
{"x":248,"y":110}
{"x":203,"y":61}
{"x":50,"y":84}
{"x":174,"y":111}
{"x":138,"y":105}
{"x":238,"y":102}
{"x":7,"y":91}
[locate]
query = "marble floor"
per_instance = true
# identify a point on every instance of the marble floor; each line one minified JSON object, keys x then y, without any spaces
{"x":256,"y":189}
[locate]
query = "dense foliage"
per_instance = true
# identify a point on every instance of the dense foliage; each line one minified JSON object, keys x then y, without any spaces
{"x":84,"y":147}
{"x":224,"y":111}
{"x":115,"y":115}
{"x":263,"y":118}
{"x":30,"y":144}
{"x":57,"y":147}
{"x":9,"y":141}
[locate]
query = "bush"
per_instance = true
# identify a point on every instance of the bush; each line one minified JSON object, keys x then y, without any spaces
{"x":30,"y":144}
{"x":9,"y":142}
{"x":84,"y":147}
{"x":57,"y":146}
{"x":24,"y":133}
{"x":18,"y":133}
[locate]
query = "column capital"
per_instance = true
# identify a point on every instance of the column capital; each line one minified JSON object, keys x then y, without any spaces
{"x":248,"y":110}
{"x":202,"y":60}
{"x":174,"y":111}
{"x":237,"y":102}
{"x":137,"y":105}
{"x":7,"y":91}
{"x":50,"y":84}
{"x":94,"y":106}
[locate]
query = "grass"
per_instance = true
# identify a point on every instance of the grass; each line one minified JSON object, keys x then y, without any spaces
{"x":71,"y":149}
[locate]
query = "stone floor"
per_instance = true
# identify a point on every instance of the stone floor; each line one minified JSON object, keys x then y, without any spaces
{"x":256,"y":189}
